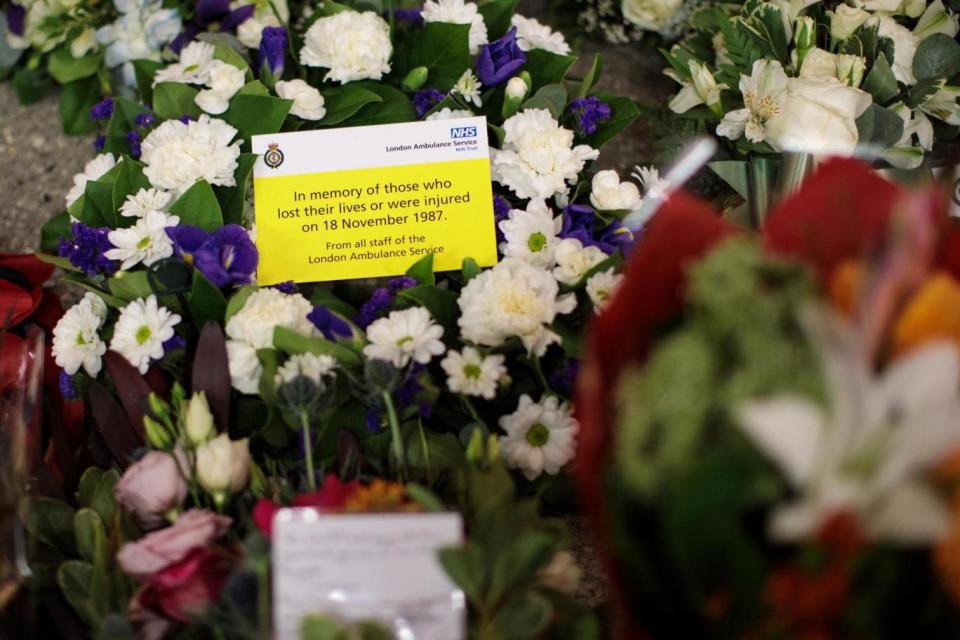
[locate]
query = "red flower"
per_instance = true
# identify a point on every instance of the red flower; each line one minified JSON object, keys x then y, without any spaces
{"x":332,"y":496}
{"x":950,"y":252}
{"x":186,"y":589}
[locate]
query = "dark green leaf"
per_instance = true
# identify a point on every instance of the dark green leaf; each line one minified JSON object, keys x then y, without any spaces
{"x":51,"y":522}
{"x":121,"y":123}
{"x":130,"y":180}
{"x":393,"y":107}
{"x":130,"y":285}
{"x":441,"y":303}
{"x":293,"y":343}
{"x":88,"y":486}
{"x":517,"y":565}
{"x":552,"y":97}
{"x":497,"y":14}
{"x":233,"y":199}
{"x":206,"y":301}
{"x":76,"y":582}
{"x":237,"y":301}
{"x":525,"y":615}
{"x":443,"y":48}
{"x":923,"y":91}
{"x":938,"y":56}
{"x":470,"y":269}
{"x":104,"y":499}
{"x":344,"y":101}
{"x":172,"y":100}
{"x":54,"y":229}
{"x":467,"y":568}
{"x":593,"y":75}
{"x":624,"y":112}
{"x":325,"y":297}
{"x":881,"y":82}
{"x":199,"y":206}
{"x":422,"y":270}
{"x":31,"y":85}
{"x":66,"y":69}
{"x":879,"y":126}
{"x":547,"y":68}
{"x":91,"y":537}
{"x":144,"y":71}
{"x":76,"y":99}
{"x":256,"y":115}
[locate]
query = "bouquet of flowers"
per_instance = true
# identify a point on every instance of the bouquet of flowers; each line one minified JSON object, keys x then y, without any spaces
{"x":826,"y":78}
{"x":415,"y":392}
{"x":630,"y":20}
{"x":792,"y":400}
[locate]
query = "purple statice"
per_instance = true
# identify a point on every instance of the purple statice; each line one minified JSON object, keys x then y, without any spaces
{"x":273,"y":50}
{"x":185,"y":118}
{"x":562,"y":379}
{"x":99,"y":142}
{"x":413,"y":15}
{"x":187,"y":239}
{"x":289,"y":287}
{"x":396,"y":285}
{"x":85,"y":250}
{"x":16,"y":17}
{"x":144,"y":120}
{"x":174,"y":343}
{"x":134,"y":139}
{"x":500,"y":60}
{"x":213,"y":16}
{"x":68,"y":389}
{"x":426,"y":99}
{"x":501,"y":211}
{"x":228,"y":257}
{"x":329,"y":324}
{"x":382,"y":299}
{"x":588,"y":114}
{"x":102,"y":110}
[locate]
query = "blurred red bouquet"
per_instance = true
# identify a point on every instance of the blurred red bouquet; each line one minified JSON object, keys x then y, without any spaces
{"x":771,"y":424}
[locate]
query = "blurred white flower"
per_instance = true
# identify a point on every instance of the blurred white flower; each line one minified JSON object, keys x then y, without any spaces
{"x":138,"y":204}
{"x":93,"y":170}
{"x":574,"y":260}
{"x":607,"y":193}
{"x":223,"y":80}
{"x":653,"y":15}
{"x":702,"y":88}
{"x":470,"y":373}
{"x":223,"y":465}
{"x":541,"y":436}
{"x":533,"y":35}
{"x":602,"y":286}
{"x":193,"y":67}
{"x":449,"y":114}
{"x":308,"y":365}
{"x":140,"y":32}
{"x":468,"y":86}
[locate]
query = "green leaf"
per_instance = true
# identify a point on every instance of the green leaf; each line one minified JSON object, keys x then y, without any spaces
{"x":88,"y":486}
{"x":223,"y":51}
{"x":66,"y":69}
{"x":254,"y":88}
{"x":923,"y":91}
{"x":552,"y":97}
{"x":121,"y":123}
{"x":144,"y":72}
{"x":734,"y":173}
{"x":547,"y":68}
{"x":393,"y":107}
{"x":57,"y":261}
{"x":880,"y":82}
{"x":76,"y":99}
{"x":98,"y":208}
{"x":91,"y":537}
{"x":328,"y":299}
{"x":206,"y":301}
{"x":76,"y":582}
{"x":199,"y":206}
{"x":526,"y":615}
{"x":427,"y":499}
{"x":254,"y":115}
{"x":237,"y":301}
{"x":129,"y":285}
{"x":344,"y":101}
{"x":31,"y":85}
{"x":879,"y":126}
{"x":293,"y":343}
{"x":51,"y":522}
{"x":81,"y":281}
{"x":593,"y":75}
{"x":470,"y":269}
{"x":937,"y":57}
{"x":517,"y":565}
{"x":497,"y":14}
{"x":54,"y":229}
{"x":624,"y":112}
{"x":443,"y":48}
{"x":233,"y":199}
{"x":441,"y":303}
{"x":130,"y":180}
{"x":422,"y":270}
{"x":172,"y":100}
{"x":467,"y":567}
{"x":103,"y":500}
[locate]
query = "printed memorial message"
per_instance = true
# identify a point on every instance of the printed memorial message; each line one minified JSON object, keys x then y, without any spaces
{"x":366,"y":202}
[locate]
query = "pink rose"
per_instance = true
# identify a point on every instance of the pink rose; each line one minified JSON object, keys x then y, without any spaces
{"x":182,"y":590}
{"x":151,"y":487}
{"x":158,"y":550}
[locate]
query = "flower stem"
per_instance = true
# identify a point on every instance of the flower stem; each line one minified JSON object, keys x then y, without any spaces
{"x":472,"y":410}
{"x":398,"y":450}
{"x":308,"y":450}
{"x":539,"y":371}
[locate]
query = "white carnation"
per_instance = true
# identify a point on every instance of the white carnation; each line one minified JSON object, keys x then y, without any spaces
{"x":541,"y":436}
{"x":177,"y":155}
{"x":352,"y":45}
{"x":574,"y":260}
{"x":410,"y":334}
{"x":531,"y":235}
{"x":533,"y":35}
{"x":76,"y":341}
{"x":93,"y":170}
{"x":905,"y":48}
{"x":141,"y":330}
{"x":224,"y":81}
{"x":607,"y":193}
{"x":538,"y":158}
{"x":458,"y":12}
{"x":307,"y":101}
{"x":513,"y":299}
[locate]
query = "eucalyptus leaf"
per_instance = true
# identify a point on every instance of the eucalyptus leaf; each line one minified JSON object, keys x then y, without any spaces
{"x":938,"y":56}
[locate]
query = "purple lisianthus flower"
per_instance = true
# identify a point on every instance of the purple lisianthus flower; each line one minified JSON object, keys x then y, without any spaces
{"x":501,"y":211}
{"x":330,"y":324}
{"x":589,"y":113}
{"x":425,"y":100}
{"x":212,"y":15}
{"x":85,"y":250}
{"x":144,"y":120}
{"x":102,"y":110}
{"x":289,"y":287}
{"x":372,"y":420}
{"x":67,"y":388}
{"x":99,"y":142}
{"x":228,"y":257}
{"x":174,"y":343}
{"x":500,"y":60}
{"x":187,"y":240}
{"x":273,"y":50}
{"x":185,"y":119}
{"x":16,"y":16}
{"x":406,"y":394}
{"x":134,"y":139}
{"x":413,"y":15}
{"x":616,"y":236}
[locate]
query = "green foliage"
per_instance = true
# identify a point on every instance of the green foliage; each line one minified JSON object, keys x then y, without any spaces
{"x":624,"y":112}
{"x":552,"y":97}
{"x":207,"y":302}
{"x":172,"y":100}
{"x":881,"y":82}
{"x":256,"y":114}
{"x":938,"y":56}
{"x":497,"y":14}
{"x":199,"y":206}
{"x":344,"y":101}
{"x":547,"y":68}
{"x":443,"y":48}
{"x":64,"y":68}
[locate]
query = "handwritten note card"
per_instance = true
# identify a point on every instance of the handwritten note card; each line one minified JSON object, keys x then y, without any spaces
{"x":357,"y":566}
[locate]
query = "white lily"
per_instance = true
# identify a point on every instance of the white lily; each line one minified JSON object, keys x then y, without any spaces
{"x":701,"y":89}
{"x":943,"y":105}
{"x":936,"y":20}
{"x":906,"y":154}
{"x":866,"y":454}
{"x":764,"y":93}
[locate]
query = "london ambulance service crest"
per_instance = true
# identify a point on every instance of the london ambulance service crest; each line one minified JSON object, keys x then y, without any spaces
{"x":273,"y":157}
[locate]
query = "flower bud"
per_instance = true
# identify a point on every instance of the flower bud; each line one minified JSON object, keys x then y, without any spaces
{"x":199,"y":422}
{"x":416,"y":79}
{"x":514,"y":95}
{"x":804,"y":36}
{"x":851,"y":69}
{"x":159,"y":408}
{"x":223,"y":466}
{"x":706,"y":86}
{"x":158,"y":436}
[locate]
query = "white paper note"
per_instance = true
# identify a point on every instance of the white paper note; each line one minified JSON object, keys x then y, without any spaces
{"x":359,"y":566}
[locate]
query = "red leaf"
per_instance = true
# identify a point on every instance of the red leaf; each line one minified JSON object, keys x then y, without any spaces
{"x":131,"y":387}
{"x":113,"y":425}
{"x":211,"y":373}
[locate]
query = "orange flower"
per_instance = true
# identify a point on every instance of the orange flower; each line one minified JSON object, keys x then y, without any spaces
{"x":845,"y":287}
{"x":380,"y":496}
{"x":933,"y":313}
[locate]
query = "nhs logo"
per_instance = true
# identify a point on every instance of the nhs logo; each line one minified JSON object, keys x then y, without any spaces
{"x":463,"y":132}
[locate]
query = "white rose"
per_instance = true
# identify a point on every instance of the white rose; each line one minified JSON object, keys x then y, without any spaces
{"x":905,"y":45}
{"x":845,"y":21}
{"x":609,"y":194}
{"x":652,"y":15}
{"x":307,"y":101}
{"x":823,"y":65}
{"x":818,"y":117}
{"x":353,"y":46}
{"x":223,"y":465}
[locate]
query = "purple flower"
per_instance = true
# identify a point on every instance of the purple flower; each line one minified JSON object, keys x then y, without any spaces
{"x":589,"y":113}
{"x":187,"y":240}
{"x":501,"y":211}
{"x":378,"y":304}
{"x":330,"y":324}
{"x":372,"y":420}
{"x":562,"y":380}
{"x":425,"y":100}
{"x":407,"y":393}
{"x":15,"y":18}
{"x":134,"y":139}
{"x":579,"y":222}
{"x":185,"y":119}
{"x":99,"y":142}
{"x":102,"y":110}
{"x":616,"y":236}
{"x":500,"y":60}
{"x":273,"y":50}
{"x":289,"y":287}
{"x":174,"y":343}
{"x":144,"y":120}
{"x":396,"y":285}
{"x":67,"y":388}
{"x":228,"y":257}
{"x":85,"y":250}
{"x":212,"y":15}
{"x":414,"y":15}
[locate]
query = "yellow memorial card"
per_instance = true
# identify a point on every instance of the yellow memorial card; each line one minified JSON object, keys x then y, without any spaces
{"x":364,"y":202}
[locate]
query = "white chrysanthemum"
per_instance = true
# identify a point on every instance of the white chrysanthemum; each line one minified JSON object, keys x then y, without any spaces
{"x":224,"y":81}
{"x":538,"y":158}
{"x":308,"y":365}
{"x":177,"y":155}
{"x":410,"y":334}
{"x":533,"y":35}
{"x":458,"y":12}
{"x":514,"y":298}
{"x":541,"y":436}
{"x":352,"y":45}
{"x":252,"y":328}
{"x":472,"y":374}
{"x":146,"y":241}
{"x":139,"y":204}
{"x":531,"y":235}
{"x":469,"y":87}
{"x":76,"y":342}
{"x":607,"y":193}
{"x":93,"y":170}
{"x":193,"y":66}
{"x":574,"y":260}
{"x":141,"y":330}
{"x":307,"y":100}
{"x":601,"y":287}
{"x":449,"y":114}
